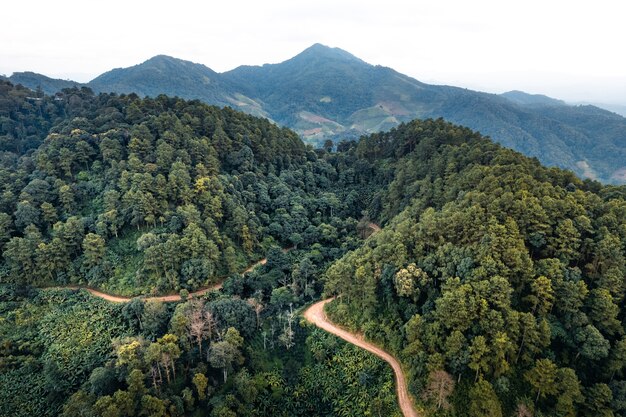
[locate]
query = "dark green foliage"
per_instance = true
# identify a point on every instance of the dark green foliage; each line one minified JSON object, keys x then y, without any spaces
{"x":234,"y":313}
{"x":38,"y":82}
{"x":26,"y":117}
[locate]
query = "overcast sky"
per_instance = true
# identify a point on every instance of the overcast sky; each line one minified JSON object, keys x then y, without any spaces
{"x":573,"y":50}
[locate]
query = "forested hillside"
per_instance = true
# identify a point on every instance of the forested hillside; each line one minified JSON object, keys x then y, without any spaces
{"x":498,"y":282}
{"x":326,"y":92}
{"x":136,"y":195}
{"x":36,"y":81}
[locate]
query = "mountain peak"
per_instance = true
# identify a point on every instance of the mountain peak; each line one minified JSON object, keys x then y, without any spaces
{"x":161,"y":57}
{"x":320,"y":51}
{"x":163,"y":73}
{"x":171,"y":62}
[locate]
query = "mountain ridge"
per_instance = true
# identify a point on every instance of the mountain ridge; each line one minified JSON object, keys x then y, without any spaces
{"x":327,"y":93}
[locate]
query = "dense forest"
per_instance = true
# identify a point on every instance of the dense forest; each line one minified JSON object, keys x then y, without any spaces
{"x":497,"y":282}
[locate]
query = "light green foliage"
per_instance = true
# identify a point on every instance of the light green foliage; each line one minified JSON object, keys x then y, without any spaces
{"x":408,"y":280}
{"x":542,"y":378}
{"x":200,"y":382}
{"x":93,"y":248}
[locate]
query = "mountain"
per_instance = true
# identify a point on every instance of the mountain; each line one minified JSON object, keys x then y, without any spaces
{"x":141,"y":195}
{"x":48,"y":85}
{"x":327,"y":93}
{"x":165,"y":75}
{"x":483,"y":277}
{"x":615,"y":108}
{"x":526,"y":99}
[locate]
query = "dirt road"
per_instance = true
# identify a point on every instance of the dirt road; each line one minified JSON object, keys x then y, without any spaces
{"x":163,"y":298}
{"x":375,"y":228}
{"x":315,"y":314}
{"x":120,"y":299}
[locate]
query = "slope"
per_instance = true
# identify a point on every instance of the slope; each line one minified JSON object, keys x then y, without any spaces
{"x":135,"y":196}
{"x":163,"y":74}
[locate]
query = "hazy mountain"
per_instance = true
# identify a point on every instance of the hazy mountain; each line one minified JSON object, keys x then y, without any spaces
{"x":164,"y":74}
{"x":520,"y":97}
{"x":614,"y":108}
{"x":325,"y":91}
{"x":175,"y":77}
{"x":49,"y":85}
{"x":328,"y":93}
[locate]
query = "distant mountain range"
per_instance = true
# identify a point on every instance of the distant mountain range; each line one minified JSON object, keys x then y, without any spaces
{"x":327,"y":93}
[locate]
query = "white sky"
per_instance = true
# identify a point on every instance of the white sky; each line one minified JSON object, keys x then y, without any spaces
{"x":573,"y":50}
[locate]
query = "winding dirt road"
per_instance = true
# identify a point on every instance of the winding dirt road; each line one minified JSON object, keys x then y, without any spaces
{"x":120,"y":299}
{"x":315,"y":314}
{"x":172,"y":298}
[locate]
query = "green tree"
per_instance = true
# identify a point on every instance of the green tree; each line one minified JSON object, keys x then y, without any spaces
{"x":107,"y":407}
{"x":200,"y":382}
{"x":598,"y":401}
{"x":592,"y":345}
{"x":484,"y":401}
{"x":152,"y":407}
{"x":225,"y":353}
{"x":80,"y":404}
{"x":124,"y":402}
{"x":542,"y":295}
{"x":542,"y":378}
{"x":479,"y":356}
{"x":94,"y":248}
{"x":569,"y":393}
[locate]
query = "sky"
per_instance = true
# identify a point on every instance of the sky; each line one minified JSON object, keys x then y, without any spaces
{"x":572,"y":50}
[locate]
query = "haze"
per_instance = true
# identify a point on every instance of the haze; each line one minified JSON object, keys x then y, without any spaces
{"x":570,"y":50}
